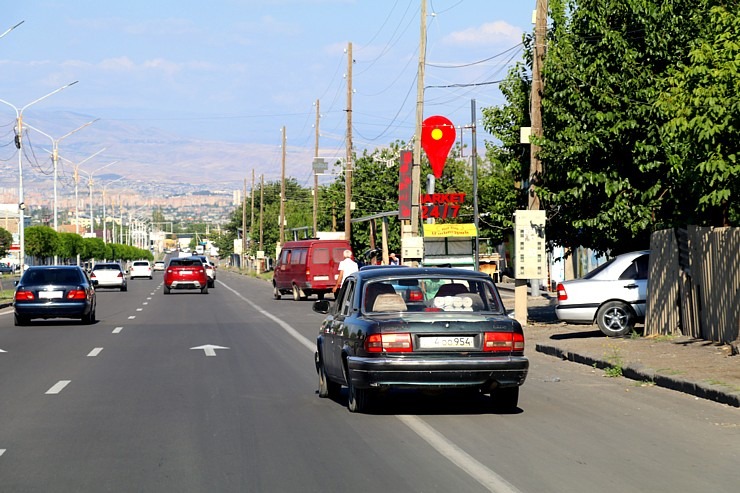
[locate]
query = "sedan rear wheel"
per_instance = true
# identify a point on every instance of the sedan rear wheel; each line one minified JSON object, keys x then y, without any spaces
{"x":615,"y":319}
{"x":20,"y":320}
{"x":204,"y":289}
{"x":506,"y":399}
{"x":166,"y":290}
{"x":89,"y":318}
{"x":327,"y":388}
{"x":358,"y":400}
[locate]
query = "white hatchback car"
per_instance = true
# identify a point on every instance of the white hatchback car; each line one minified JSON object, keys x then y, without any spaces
{"x":140,"y":268}
{"x":614,"y":295}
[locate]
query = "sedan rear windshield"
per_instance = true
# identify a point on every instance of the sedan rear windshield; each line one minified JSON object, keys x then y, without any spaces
{"x":107,"y":267}
{"x":185,"y":262}
{"x":52,"y":276}
{"x":431,"y":294}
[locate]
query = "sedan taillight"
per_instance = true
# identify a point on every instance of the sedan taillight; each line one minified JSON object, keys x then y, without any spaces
{"x":76,"y":294}
{"x":390,"y":343}
{"x":24,"y":295}
{"x":416,"y":296}
{"x":120,"y":274}
{"x":562,"y":295}
{"x":503,"y":341}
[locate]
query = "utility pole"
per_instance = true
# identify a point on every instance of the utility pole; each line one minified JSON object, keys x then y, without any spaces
{"x":251,"y":221}
{"x":348,"y":163}
{"x":244,"y":225}
{"x":535,"y":166}
{"x":282,"y":196}
{"x":262,"y":200}
{"x":474,"y":162}
{"x":416,"y":165}
{"x":316,"y":178}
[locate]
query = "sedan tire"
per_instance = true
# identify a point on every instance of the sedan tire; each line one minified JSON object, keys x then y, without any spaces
{"x":89,"y":318}
{"x":615,"y":319}
{"x":204,"y":289}
{"x":505,"y":399}
{"x":166,"y":290}
{"x":327,"y":388}
{"x":358,"y":400}
{"x":20,"y":320}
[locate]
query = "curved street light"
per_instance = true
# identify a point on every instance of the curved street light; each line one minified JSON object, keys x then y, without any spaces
{"x":90,"y":186}
{"x":55,"y":159}
{"x":19,"y":145}
{"x":105,"y":219}
{"x":77,"y":182}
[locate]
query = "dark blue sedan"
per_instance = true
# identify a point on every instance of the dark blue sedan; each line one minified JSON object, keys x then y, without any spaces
{"x":452,"y":333}
{"x":54,"y":291}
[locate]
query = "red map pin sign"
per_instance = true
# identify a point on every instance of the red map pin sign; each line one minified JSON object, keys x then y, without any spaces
{"x":437,"y":137}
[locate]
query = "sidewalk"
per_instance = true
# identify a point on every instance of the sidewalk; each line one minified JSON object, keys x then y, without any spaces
{"x":694,"y":366}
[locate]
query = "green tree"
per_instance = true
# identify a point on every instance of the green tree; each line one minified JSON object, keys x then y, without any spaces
{"x":6,"y":241}
{"x":70,"y":245}
{"x":604,"y":181}
{"x":702,"y":132}
{"x":41,"y":241}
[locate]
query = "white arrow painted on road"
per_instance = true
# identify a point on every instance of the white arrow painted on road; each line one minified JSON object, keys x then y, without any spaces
{"x":209,"y":349}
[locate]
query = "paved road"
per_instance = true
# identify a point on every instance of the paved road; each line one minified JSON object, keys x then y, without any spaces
{"x":128,"y":405}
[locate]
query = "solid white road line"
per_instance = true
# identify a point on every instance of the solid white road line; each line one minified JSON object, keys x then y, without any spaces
{"x":476,"y":470}
{"x":94,"y":352}
{"x":117,"y":330}
{"x":58,"y":387}
{"x":2,"y":451}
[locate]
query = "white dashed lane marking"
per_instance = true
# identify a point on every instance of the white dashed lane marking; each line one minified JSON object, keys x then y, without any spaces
{"x":117,"y":330}
{"x":94,"y":352}
{"x":58,"y":387}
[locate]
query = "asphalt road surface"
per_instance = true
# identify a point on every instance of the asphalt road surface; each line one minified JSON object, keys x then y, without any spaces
{"x":217,"y":393}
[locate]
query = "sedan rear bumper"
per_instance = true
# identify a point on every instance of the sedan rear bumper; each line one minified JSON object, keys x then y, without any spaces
{"x":53,"y":310}
{"x":186,"y":285}
{"x":483,"y":373}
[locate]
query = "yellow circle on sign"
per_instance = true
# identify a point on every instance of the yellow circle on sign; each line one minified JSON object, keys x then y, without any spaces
{"x":436,"y":134}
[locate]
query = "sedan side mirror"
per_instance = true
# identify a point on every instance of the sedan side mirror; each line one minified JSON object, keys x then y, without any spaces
{"x":321,"y":306}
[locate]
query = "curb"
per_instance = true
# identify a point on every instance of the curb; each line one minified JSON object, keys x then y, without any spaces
{"x":637,"y":372}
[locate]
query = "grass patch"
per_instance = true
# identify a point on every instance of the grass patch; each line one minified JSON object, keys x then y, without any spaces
{"x":6,"y":295}
{"x":616,"y":363}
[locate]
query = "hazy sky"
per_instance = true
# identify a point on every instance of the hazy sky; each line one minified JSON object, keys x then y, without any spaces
{"x":239,"y":70}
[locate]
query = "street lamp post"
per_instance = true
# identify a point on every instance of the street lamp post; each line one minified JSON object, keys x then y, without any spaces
{"x":76,"y":178}
{"x":90,"y":186}
{"x":19,"y":145}
{"x":55,"y":158}
{"x":105,"y":222}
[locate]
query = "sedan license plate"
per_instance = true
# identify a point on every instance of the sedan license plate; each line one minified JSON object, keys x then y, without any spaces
{"x":187,"y":272}
{"x":443,"y":342}
{"x":50,"y":295}
{"x":321,"y":278}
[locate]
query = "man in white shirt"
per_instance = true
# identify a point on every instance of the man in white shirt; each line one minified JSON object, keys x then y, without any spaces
{"x":346,"y":267}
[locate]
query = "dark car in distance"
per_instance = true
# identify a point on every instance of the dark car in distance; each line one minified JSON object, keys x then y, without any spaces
{"x":185,"y":273}
{"x":54,"y":291}
{"x":456,"y":335}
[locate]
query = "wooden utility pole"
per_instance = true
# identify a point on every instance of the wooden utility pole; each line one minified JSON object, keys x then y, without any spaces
{"x":262,"y":201}
{"x":282,"y":196}
{"x":416,"y":165}
{"x":244,"y":225}
{"x":316,"y":178}
{"x":535,"y":166}
{"x":348,"y":162}
{"x":251,"y":221}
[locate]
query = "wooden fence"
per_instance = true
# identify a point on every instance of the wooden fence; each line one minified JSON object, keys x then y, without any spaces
{"x":694,"y":283}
